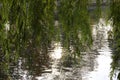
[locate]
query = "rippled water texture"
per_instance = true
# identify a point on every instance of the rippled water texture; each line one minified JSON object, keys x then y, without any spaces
{"x":93,"y":65}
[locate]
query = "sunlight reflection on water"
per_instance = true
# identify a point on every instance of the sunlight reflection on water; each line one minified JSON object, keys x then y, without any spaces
{"x":102,"y":71}
{"x":57,"y":53}
{"x":97,"y":65}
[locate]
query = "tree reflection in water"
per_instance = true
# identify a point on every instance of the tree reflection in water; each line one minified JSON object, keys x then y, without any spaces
{"x":26,"y":45}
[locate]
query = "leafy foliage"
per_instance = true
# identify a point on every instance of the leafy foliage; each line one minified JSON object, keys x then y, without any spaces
{"x":75,"y":24}
{"x":27,"y":30}
{"x":115,"y":5}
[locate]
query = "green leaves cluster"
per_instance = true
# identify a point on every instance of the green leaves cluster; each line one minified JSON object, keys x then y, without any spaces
{"x":31,"y":27}
{"x":115,"y":15}
{"x":74,"y":19}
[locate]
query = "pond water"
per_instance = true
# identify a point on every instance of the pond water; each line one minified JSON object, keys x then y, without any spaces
{"x":52,"y":62}
{"x":92,"y":65}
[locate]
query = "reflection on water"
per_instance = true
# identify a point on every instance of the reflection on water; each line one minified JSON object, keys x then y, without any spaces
{"x":55,"y":55}
{"x":102,"y":71}
{"x":92,"y":65}
{"x":99,"y":59}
